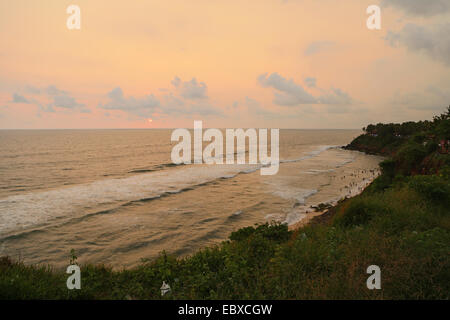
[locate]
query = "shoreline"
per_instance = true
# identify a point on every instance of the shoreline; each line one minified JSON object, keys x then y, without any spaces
{"x":325,"y":214}
{"x":307,"y":220}
{"x":321,"y":216}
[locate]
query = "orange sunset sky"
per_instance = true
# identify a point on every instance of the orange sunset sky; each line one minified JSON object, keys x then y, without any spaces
{"x":254,"y":63}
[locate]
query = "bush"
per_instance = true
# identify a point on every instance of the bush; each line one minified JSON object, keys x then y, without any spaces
{"x":409,"y":157}
{"x":388,"y":167}
{"x":445,"y":172}
{"x":276,"y":232}
{"x":359,"y":212}
{"x":433,"y":187}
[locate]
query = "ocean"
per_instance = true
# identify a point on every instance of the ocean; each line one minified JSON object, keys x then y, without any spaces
{"x":115,"y":197}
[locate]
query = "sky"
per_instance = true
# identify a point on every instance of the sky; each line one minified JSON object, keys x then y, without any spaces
{"x":308,"y":64}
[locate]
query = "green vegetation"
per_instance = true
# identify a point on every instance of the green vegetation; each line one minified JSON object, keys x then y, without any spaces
{"x":415,"y":147}
{"x":401,"y":223}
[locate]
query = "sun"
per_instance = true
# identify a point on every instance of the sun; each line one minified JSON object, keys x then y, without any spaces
{"x":149,"y":120}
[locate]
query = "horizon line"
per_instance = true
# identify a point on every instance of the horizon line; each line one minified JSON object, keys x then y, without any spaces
{"x":174,"y":128}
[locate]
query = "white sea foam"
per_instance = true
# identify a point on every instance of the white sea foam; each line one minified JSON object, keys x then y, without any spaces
{"x":301,"y":212}
{"x":318,"y":171}
{"x":273,"y":217}
{"x":32,"y":209}
{"x":294,"y":217}
{"x":298,"y":194}
{"x":19,"y":212}
{"x":310,"y":154}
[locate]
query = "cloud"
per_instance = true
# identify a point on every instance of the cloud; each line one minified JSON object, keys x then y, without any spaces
{"x":318,"y":46}
{"x":335,"y":96}
{"x":252,"y":103}
{"x":431,"y":98}
{"x":49,"y":98}
{"x":53,"y":91}
{"x":433,"y":40}
{"x":176,"y":82}
{"x":233,"y":107}
{"x":142,"y":107}
{"x":420,"y":7}
{"x":176,"y":106}
{"x":62,"y":99}
{"x":191,"y":89}
{"x":188,"y":99}
{"x":17,"y":98}
{"x":288,"y":93}
{"x":338,"y":109}
{"x":47,"y":108}
{"x":32,"y":90}
{"x":203,"y":109}
{"x":68,"y":102}
{"x":254,"y":108}
{"x":310,"y":82}
{"x":173,"y":104}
